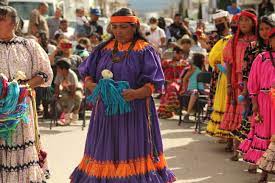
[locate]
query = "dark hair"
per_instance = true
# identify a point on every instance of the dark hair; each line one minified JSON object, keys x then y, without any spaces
{"x":177,"y":15}
{"x":198,"y":60}
{"x":265,"y":20}
{"x":85,"y":41}
{"x":125,"y":12}
{"x":44,"y":40}
{"x":162,"y":23}
{"x":153,"y":20}
{"x":177,"y":49}
{"x":63,"y":63}
{"x":63,"y":21}
{"x":96,"y":35}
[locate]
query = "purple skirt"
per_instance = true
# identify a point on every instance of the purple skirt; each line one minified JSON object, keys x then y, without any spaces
{"x":124,"y":148}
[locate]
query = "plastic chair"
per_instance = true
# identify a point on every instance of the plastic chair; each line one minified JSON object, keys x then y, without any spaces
{"x":202,"y":101}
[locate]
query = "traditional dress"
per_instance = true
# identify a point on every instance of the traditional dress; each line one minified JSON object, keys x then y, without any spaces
{"x":19,"y":160}
{"x":233,"y":114}
{"x":169,"y":103}
{"x":216,"y":57}
{"x":251,"y":53}
{"x":125,"y":147}
{"x":261,"y":78}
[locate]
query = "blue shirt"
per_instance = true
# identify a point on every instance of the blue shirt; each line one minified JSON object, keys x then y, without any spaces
{"x":193,"y":84}
{"x":233,"y":11}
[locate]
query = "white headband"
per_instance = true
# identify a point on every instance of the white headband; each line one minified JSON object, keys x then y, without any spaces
{"x":220,"y":15}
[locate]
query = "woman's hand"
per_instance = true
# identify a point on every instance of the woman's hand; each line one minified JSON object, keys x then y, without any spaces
{"x":90,"y":85}
{"x":255,"y":108}
{"x":130,"y":95}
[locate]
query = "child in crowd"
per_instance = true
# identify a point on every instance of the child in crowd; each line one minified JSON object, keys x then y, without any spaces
{"x":82,"y":23}
{"x":193,"y":87}
{"x":68,"y":85}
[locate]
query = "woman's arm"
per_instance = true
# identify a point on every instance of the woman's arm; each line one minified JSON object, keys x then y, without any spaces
{"x":188,"y":74}
{"x":35,"y":82}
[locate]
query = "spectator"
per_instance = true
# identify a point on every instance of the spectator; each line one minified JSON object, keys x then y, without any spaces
{"x":193,"y":87}
{"x":82,"y":23}
{"x":44,"y":42}
{"x":162,"y":25}
{"x":233,"y":8}
{"x":265,"y":8}
{"x":54,"y":22}
{"x":185,"y":44}
{"x":71,"y":94}
{"x":37,"y":21}
{"x":155,"y":35}
{"x":82,"y":48}
{"x":94,"y":26}
{"x":186,"y":23}
{"x":196,"y":48}
{"x":63,"y":29}
{"x":178,"y":29}
{"x":95,"y":39}
{"x":65,"y":50}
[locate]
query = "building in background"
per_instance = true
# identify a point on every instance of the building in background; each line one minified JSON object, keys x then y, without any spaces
{"x":108,"y":7}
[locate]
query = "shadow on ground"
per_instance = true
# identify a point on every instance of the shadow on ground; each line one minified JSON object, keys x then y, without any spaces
{"x":199,"y":158}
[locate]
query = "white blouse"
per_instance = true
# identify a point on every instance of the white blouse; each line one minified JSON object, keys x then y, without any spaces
{"x":26,"y":55}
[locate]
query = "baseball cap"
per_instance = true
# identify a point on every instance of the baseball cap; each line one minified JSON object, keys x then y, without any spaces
{"x":95,"y":11}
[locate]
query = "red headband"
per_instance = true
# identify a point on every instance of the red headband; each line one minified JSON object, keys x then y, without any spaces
{"x":125,"y":19}
{"x":250,"y":15}
{"x":236,"y":17}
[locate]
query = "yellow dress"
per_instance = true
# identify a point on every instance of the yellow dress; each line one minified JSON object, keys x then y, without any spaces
{"x":216,"y":57}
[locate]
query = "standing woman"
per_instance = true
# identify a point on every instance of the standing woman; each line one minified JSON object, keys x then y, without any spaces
{"x":259,"y":137}
{"x":21,"y":159}
{"x":124,"y":147}
{"x":261,"y":85}
{"x":233,"y":57}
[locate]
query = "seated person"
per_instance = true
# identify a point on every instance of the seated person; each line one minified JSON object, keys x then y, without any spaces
{"x":193,"y":87}
{"x":68,"y":86}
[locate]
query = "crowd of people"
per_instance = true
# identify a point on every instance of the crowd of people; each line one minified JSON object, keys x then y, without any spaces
{"x":240,"y":57}
{"x":61,"y":67}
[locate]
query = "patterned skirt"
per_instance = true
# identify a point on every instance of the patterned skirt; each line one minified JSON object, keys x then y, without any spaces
{"x":267,"y":161}
{"x":19,"y":160}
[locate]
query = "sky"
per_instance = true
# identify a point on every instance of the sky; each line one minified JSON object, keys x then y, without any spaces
{"x":144,"y":6}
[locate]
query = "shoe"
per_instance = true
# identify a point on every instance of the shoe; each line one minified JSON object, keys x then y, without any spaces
{"x":66,"y":120}
{"x":74,"y":118}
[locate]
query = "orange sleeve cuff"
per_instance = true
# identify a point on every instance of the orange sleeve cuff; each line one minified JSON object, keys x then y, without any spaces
{"x":151,"y":87}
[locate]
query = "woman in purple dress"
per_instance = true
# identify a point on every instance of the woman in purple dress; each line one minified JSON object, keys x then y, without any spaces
{"x":124,"y":147}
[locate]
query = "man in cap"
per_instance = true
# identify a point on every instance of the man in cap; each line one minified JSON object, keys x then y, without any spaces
{"x":94,"y":26}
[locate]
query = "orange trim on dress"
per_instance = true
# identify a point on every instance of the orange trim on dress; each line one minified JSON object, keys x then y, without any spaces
{"x":123,"y":169}
{"x":124,"y":19}
{"x":140,"y":45}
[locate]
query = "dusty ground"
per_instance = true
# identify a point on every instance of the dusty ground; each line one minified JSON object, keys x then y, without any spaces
{"x":194,"y":158}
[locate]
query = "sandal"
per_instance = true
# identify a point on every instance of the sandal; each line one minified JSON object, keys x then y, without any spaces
{"x":263,"y":178}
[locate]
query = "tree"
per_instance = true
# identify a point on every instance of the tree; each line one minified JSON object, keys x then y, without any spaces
{"x":200,"y":11}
